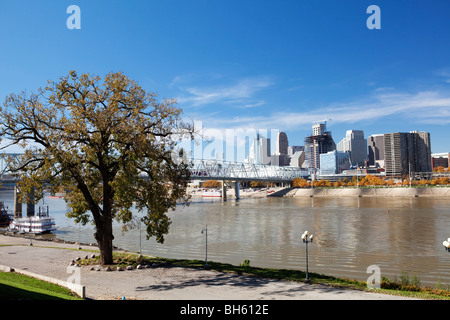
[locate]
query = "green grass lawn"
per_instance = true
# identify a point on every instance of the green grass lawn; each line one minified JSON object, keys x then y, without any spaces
{"x":14,"y":286}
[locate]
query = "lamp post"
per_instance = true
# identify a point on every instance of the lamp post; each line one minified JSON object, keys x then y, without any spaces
{"x":140,"y":238}
{"x":357,"y":177}
{"x":446,"y":244}
{"x":79,"y":235}
{"x":205,"y":229}
{"x":307,"y":240}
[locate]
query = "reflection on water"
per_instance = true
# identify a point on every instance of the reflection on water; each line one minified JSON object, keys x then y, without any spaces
{"x":399,"y":235}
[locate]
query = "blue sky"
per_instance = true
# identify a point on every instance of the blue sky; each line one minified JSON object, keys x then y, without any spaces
{"x":272,"y":65}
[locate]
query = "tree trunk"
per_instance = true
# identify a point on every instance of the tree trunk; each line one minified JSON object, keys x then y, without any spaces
{"x":104,"y":237}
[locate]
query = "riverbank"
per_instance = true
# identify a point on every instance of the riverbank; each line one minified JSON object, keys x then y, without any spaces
{"x":162,"y":282}
{"x":243,"y":193}
{"x":435,"y":192}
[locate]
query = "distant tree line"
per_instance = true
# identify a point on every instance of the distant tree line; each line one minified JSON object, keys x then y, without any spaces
{"x":366,"y":181}
{"x":441,"y":169}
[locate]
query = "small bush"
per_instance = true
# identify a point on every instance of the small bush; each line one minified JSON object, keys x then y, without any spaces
{"x":245,"y":264}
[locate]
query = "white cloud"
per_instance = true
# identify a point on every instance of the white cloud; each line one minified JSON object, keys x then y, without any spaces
{"x":241,"y":93}
{"x":443,"y":73}
{"x":421,"y":107}
{"x":425,"y":107}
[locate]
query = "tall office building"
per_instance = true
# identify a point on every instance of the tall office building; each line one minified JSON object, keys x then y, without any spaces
{"x":355,"y":144}
{"x":375,"y":145}
{"x":319,"y":142}
{"x":282,"y":144}
{"x":407,"y":152}
{"x":281,"y":157}
{"x":260,"y":151}
{"x":422,"y":151}
{"x":318,"y":129}
{"x":334,"y":162}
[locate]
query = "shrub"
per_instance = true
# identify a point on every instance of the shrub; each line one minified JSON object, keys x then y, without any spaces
{"x":245,"y":264}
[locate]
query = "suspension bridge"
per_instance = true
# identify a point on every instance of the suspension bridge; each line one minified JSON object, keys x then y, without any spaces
{"x":241,"y":171}
{"x":200,"y":169}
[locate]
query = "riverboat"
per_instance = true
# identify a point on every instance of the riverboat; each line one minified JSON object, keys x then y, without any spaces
{"x":5,"y":217}
{"x":38,"y":224}
{"x":212,"y":193}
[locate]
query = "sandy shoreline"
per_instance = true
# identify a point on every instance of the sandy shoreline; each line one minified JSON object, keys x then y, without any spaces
{"x":52,"y":259}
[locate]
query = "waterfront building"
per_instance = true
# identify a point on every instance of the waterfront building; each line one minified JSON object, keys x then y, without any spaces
{"x":440,"y":160}
{"x":421,"y":153}
{"x":318,"y":143}
{"x":259,"y":152}
{"x":407,"y":152}
{"x":297,"y":159}
{"x":355,"y":144}
{"x":282,"y":144}
{"x":334,"y":162}
{"x":291,"y":150}
{"x":375,"y":145}
{"x":280,"y":160}
{"x":281,"y":157}
{"x":318,"y":129}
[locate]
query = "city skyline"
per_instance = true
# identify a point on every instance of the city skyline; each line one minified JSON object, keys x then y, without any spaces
{"x":361,"y":151}
{"x":233,"y":65}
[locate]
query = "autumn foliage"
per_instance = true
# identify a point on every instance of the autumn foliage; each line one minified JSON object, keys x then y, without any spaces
{"x":367,"y":181}
{"x":212,"y":184}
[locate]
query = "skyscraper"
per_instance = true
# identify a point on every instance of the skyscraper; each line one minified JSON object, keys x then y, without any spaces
{"x":421,"y":161}
{"x":282,"y":144}
{"x":318,"y":129}
{"x":281,"y":157}
{"x":375,"y":144}
{"x":405,"y":152}
{"x":260,"y":151}
{"x":355,"y":144}
{"x":319,"y":142}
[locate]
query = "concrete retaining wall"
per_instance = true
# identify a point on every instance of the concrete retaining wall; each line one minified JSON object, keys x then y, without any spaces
{"x":78,"y":289}
{"x":370,"y":192}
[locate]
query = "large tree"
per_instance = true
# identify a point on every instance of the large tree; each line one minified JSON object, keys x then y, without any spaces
{"x":108,"y":143}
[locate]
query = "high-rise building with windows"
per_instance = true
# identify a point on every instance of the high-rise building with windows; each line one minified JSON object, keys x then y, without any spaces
{"x":319,"y":142}
{"x":407,"y":152}
{"x":282,"y":144}
{"x":355,"y":144}
{"x":281,"y":157}
{"x":375,"y":145}
{"x":334,"y":162}
{"x":260,"y":151}
{"x":422,"y":152}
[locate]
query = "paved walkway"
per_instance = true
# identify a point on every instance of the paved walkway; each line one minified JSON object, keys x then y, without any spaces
{"x":52,"y":259}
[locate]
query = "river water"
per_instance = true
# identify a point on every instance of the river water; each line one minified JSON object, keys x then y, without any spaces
{"x":350,"y":234}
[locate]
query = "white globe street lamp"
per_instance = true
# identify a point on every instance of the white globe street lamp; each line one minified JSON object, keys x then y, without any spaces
{"x":205,"y":229}
{"x":446,"y":244}
{"x":307,"y":240}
